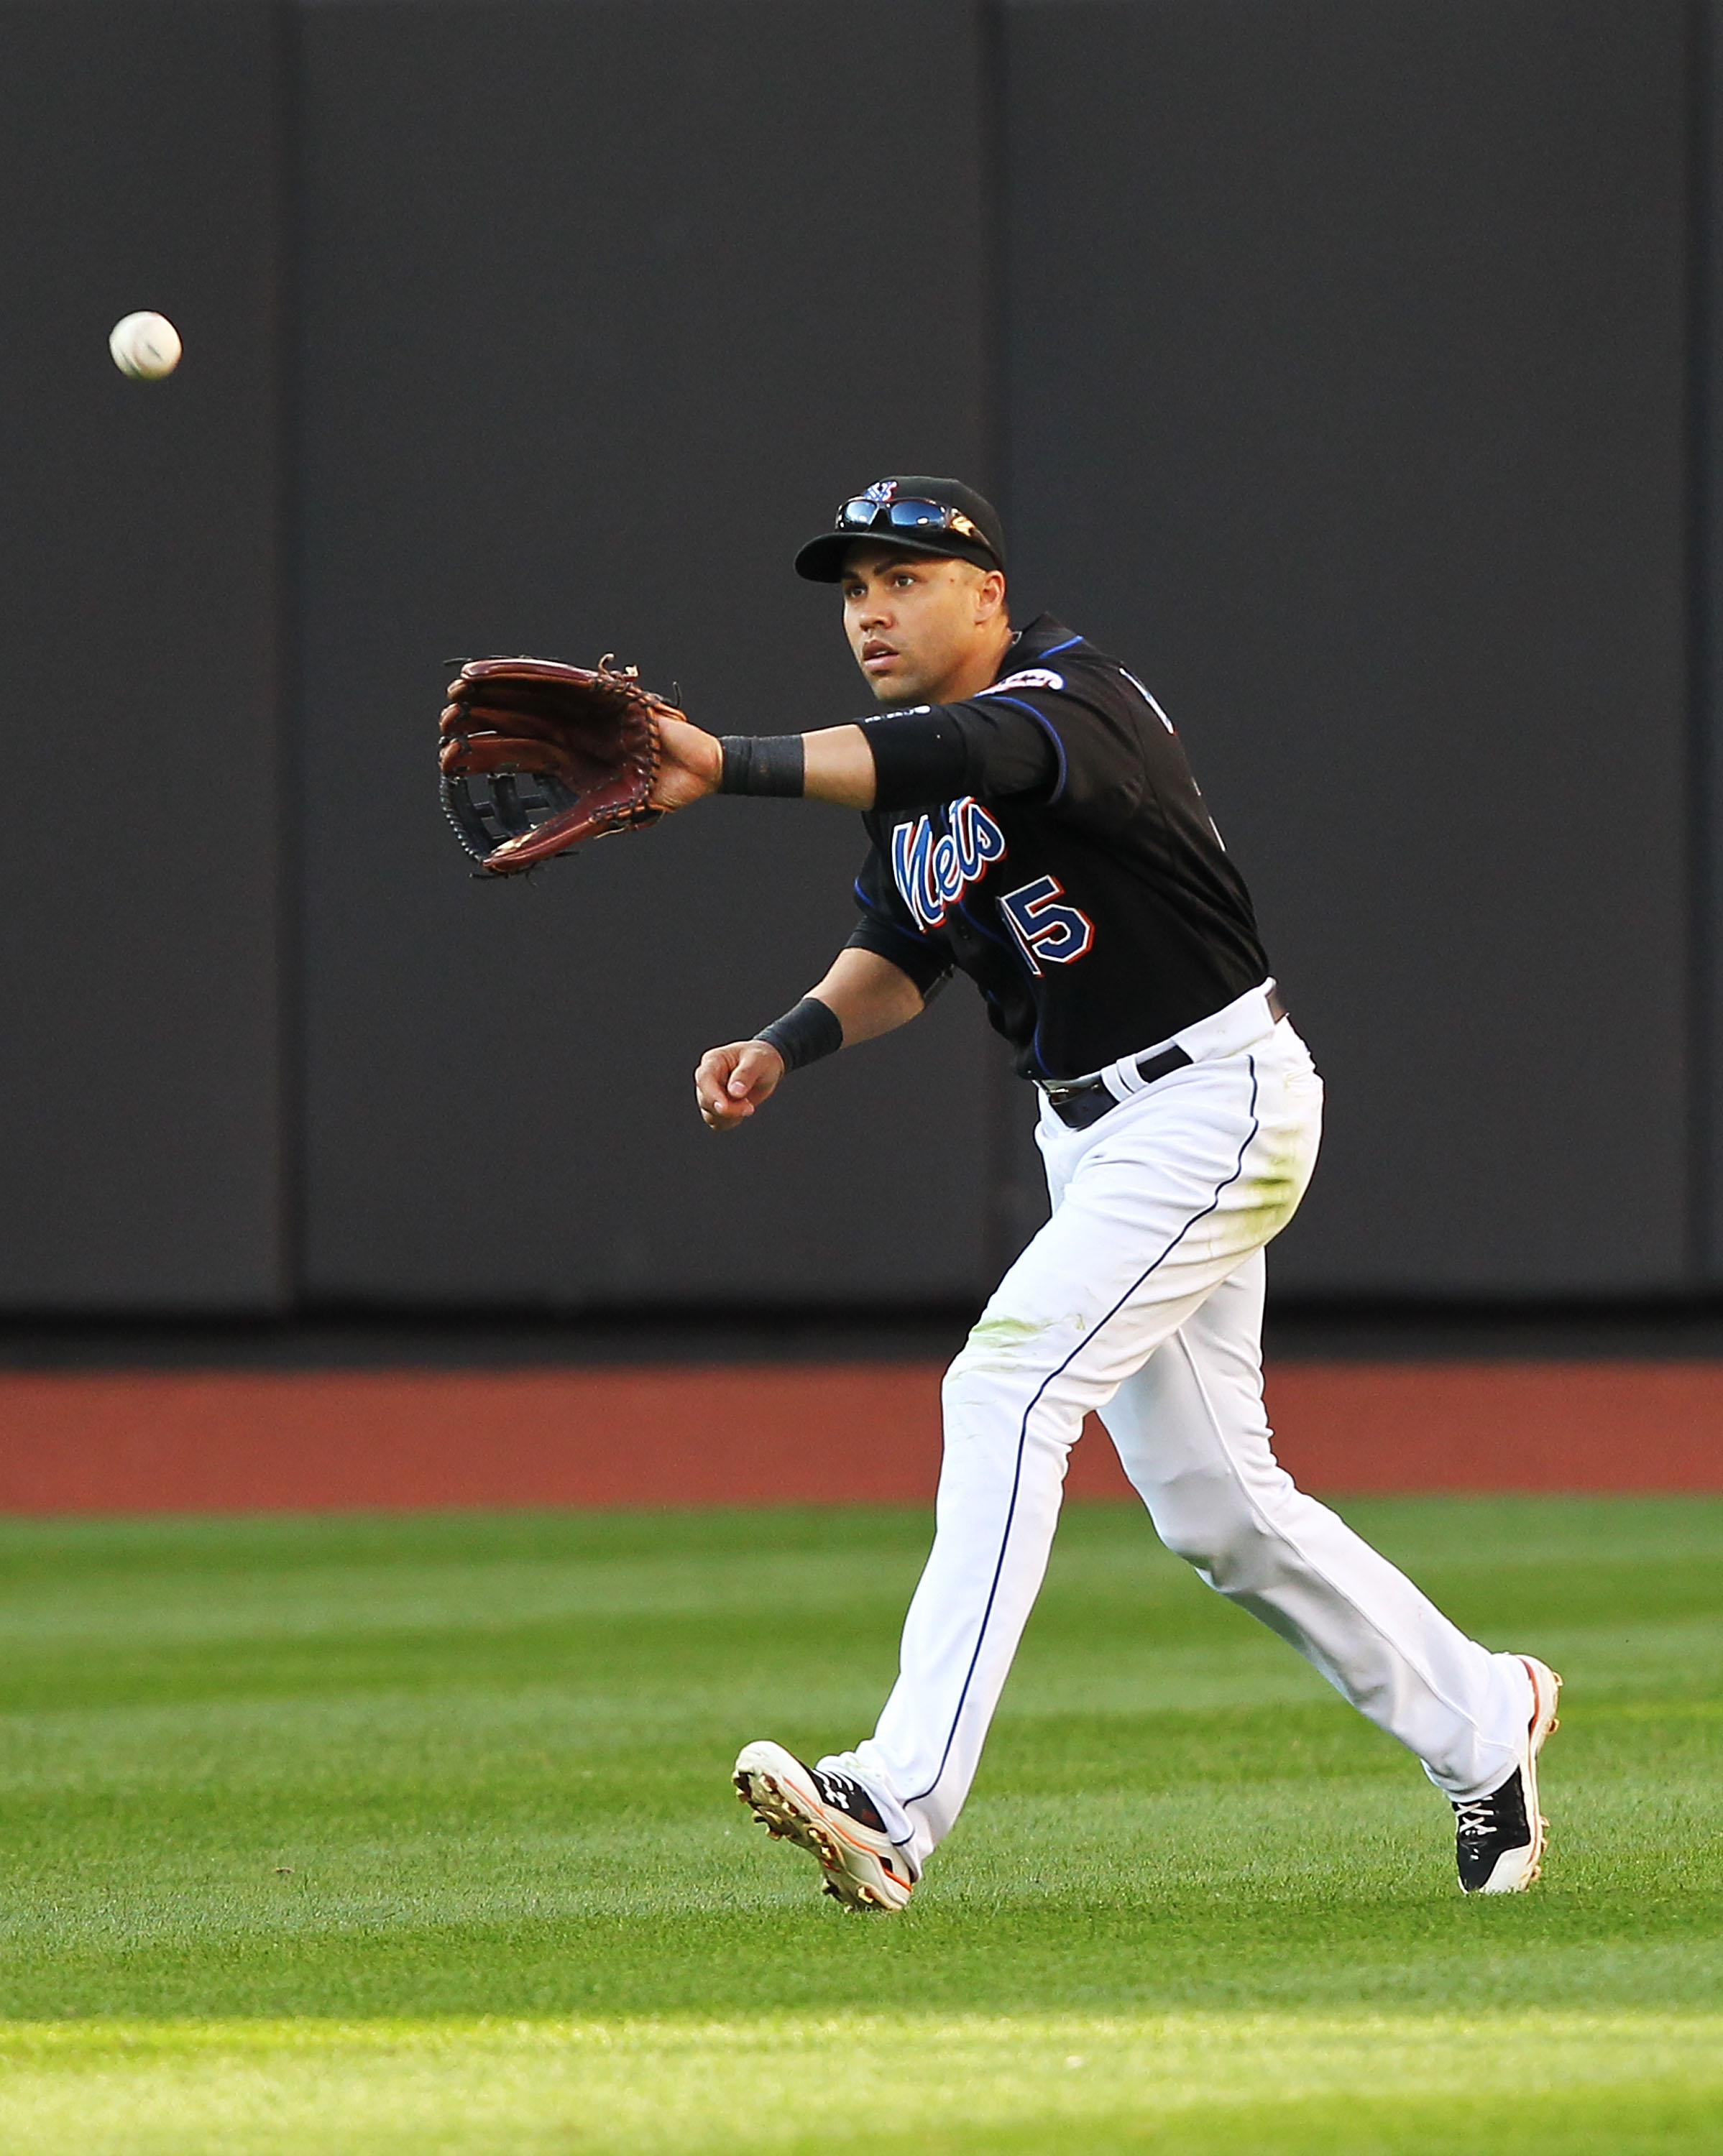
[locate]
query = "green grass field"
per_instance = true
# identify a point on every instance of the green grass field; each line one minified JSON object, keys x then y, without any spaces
{"x":384,"y":1836}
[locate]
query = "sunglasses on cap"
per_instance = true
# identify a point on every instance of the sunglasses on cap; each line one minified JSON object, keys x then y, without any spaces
{"x":865,"y":511}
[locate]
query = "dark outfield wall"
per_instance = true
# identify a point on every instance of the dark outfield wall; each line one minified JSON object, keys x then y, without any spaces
{"x":587,"y":392}
{"x":141,"y":1058}
{"x":1333,"y":361}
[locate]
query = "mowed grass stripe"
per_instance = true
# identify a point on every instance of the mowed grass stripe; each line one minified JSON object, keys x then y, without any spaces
{"x":1298,"y":2082}
{"x":415,"y":1832}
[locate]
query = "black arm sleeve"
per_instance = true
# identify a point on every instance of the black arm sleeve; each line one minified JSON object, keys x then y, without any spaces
{"x":997,"y":752}
{"x":907,"y":953}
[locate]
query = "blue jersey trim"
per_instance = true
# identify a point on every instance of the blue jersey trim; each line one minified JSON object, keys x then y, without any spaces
{"x":1052,"y":647}
{"x":1088,"y":1337}
{"x":981,"y":928}
{"x":875,"y":919}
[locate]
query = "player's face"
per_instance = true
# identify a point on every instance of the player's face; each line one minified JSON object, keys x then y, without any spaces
{"x":921,"y":627}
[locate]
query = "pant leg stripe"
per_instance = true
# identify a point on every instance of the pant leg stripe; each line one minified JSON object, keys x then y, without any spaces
{"x":1023,"y":1431}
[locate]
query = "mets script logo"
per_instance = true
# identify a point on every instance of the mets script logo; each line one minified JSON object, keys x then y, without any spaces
{"x":933,"y":873}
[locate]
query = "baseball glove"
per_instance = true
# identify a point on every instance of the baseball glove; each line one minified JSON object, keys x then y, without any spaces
{"x":538,"y":757}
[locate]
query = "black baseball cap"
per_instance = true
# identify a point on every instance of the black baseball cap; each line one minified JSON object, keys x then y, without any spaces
{"x":913,"y":515}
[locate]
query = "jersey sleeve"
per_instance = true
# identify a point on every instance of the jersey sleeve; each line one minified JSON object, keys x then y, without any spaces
{"x":982,"y":747}
{"x":1101,"y":777}
{"x":887,"y":929}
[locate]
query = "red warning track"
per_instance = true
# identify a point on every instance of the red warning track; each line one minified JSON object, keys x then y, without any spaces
{"x":223,"y":1442}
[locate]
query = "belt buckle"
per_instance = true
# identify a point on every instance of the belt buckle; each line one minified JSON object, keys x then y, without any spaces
{"x":1059,"y":1090}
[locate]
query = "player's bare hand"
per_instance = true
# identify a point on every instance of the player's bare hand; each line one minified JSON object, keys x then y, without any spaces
{"x":732,"y":1082}
{"x":692,"y":765}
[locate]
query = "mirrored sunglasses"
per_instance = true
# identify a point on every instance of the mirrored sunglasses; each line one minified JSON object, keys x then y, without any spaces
{"x":863,"y":514}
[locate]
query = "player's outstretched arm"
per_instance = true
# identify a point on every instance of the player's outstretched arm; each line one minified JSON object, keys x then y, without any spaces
{"x":867,"y":994}
{"x":835,"y":765}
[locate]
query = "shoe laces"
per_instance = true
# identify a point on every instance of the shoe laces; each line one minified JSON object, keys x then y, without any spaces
{"x":1474,"y":1819}
{"x":845,"y":1795}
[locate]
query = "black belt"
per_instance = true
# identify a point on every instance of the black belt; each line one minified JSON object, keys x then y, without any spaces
{"x":1079,"y":1102}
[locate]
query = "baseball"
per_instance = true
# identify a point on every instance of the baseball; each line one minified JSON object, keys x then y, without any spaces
{"x":145,"y":346}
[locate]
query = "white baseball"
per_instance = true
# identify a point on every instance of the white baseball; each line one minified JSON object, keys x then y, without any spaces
{"x":145,"y":346}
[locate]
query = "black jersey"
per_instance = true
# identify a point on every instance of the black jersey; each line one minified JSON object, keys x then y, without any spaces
{"x":1071,"y":868}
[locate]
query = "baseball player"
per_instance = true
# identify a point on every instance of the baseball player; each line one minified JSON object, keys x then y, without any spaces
{"x":1033,"y":823}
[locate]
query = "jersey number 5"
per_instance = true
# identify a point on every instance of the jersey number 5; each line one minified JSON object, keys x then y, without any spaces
{"x":1050,"y":931}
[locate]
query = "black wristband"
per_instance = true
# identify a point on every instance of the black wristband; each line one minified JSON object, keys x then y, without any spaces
{"x":803,"y":1036}
{"x":762,"y":763}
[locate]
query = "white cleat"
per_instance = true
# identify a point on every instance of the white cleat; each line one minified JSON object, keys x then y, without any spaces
{"x":831,"y":1816}
{"x":1499,"y":1839}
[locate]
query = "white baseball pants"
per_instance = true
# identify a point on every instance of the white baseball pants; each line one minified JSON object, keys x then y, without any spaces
{"x":1142,"y":1299}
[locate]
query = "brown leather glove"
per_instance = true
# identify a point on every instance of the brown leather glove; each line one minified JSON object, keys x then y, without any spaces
{"x":538,"y":757}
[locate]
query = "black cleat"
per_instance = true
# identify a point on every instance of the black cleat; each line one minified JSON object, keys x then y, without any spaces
{"x":831,"y":1816}
{"x":1499,"y":1839}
